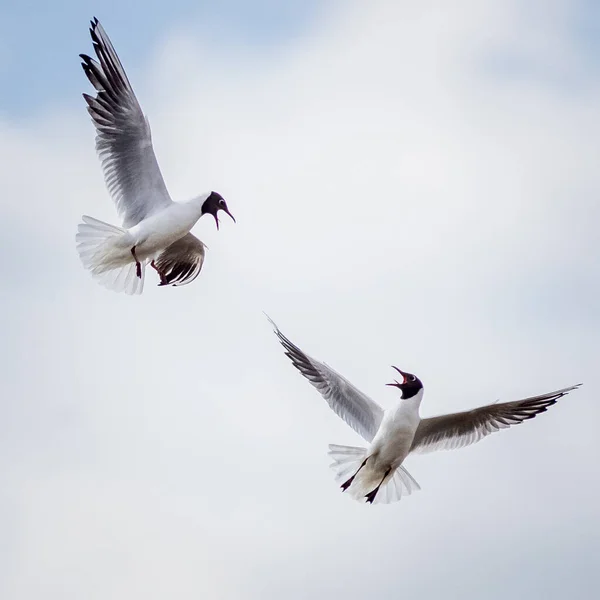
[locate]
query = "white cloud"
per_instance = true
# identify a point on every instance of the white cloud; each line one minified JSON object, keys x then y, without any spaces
{"x":397,"y":202}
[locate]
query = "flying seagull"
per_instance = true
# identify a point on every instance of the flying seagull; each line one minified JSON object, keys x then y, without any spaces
{"x":155,"y":229}
{"x":375,"y":474}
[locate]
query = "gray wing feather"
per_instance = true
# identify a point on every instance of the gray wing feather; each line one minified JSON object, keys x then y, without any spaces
{"x":182,"y":261}
{"x":123,"y":141}
{"x":457,"y":430}
{"x":357,"y":409}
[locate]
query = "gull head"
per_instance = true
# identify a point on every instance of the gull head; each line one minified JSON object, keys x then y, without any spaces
{"x":213,"y":204}
{"x":410,"y":386}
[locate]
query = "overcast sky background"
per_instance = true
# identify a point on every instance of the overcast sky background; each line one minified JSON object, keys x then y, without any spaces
{"x":414,"y":184}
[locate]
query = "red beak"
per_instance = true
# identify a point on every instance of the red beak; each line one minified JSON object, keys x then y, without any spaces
{"x":396,"y":384}
{"x":227,"y":211}
{"x":224,"y":210}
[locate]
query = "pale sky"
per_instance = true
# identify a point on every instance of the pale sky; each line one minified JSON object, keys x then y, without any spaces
{"x":414,"y":184}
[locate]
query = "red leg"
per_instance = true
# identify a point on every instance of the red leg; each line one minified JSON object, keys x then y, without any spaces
{"x":371,"y":495}
{"x":138,"y":265}
{"x":348,"y":483}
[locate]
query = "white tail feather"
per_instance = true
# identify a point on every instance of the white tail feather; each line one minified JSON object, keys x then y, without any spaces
{"x":400,"y":484}
{"x":105,"y":250}
{"x":347,"y":461}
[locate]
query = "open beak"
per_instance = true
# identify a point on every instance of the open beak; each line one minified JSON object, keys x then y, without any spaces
{"x":227,"y":211}
{"x":216,"y":220}
{"x":396,"y":383}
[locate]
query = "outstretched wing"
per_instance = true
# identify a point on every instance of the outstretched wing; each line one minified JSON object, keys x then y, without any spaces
{"x":181,"y":262}
{"x":457,"y":430}
{"x":349,"y":403}
{"x":124,"y":142}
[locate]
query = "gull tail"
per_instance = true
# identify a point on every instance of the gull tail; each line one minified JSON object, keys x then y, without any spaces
{"x":105,"y":250}
{"x":348,"y":461}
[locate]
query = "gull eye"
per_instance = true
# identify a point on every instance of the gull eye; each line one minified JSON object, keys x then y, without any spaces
{"x":412,"y":378}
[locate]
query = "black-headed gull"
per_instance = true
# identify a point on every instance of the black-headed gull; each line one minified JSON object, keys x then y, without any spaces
{"x":375,"y":474}
{"x":155,"y":229}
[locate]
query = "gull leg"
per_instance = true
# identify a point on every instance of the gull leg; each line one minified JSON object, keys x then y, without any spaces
{"x":163,"y":278}
{"x":347,"y":483}
{"x":138,"y":265}
{"x":371,"y":495}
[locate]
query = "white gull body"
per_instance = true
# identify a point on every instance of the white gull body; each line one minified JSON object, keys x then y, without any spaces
{"x":155,"y":229}
{"x":375,"y":474}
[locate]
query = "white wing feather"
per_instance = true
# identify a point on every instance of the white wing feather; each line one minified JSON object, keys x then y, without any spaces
{"x":124,"y":141}
{"x":456,"y":430}
{"x":355,"y":408}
